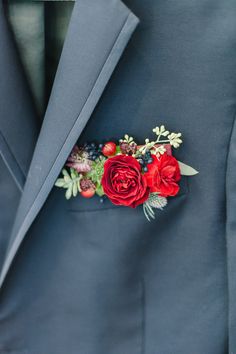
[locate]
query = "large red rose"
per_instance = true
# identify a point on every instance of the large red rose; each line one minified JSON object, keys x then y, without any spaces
{"x":123,"y":182}
{"x":163,"y":175}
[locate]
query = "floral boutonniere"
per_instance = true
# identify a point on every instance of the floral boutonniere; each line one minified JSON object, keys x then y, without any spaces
{"x":127,"y":173}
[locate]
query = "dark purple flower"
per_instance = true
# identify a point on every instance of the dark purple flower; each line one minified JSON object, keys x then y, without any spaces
{"x":86,"y":184}
{"x":79,"y":160}
{"x":128,"y":148}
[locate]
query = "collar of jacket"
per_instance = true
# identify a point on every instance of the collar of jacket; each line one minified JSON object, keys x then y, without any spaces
{"x":98,"y":33}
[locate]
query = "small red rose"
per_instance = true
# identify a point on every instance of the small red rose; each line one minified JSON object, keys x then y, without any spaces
{"x":109,"y":149}
{"x":123,"y":181}
{"x":163,"y":175}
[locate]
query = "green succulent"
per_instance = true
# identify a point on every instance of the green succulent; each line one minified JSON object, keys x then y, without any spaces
{"x":70,"y":181}
{"x":96,"y":174}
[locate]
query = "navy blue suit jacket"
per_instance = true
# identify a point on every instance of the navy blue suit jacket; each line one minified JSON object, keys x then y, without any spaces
{"x":79,"y":277}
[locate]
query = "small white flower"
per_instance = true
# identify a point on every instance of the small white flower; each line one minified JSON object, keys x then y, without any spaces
{"x":161,"y":149}
{"x":156,"y":130}
{"x":166,"y":133}
{"x":127,"y":139}
{"x":162,"y":129}
{"x":175,"y":140}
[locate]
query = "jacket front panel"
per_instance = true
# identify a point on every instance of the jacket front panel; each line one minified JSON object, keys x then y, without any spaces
{"x":101,"y":279}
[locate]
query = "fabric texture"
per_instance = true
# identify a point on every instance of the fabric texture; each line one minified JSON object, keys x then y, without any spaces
{"x":79,"y":277}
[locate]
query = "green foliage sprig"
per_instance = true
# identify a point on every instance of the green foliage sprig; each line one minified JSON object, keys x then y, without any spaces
{"x":70,"y":181}
{"x":154,"y":202}
{"x":96,"y":174}
{"x":174,"y":139}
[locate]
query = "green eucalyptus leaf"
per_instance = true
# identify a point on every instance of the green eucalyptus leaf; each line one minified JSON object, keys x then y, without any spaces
{"x":65,"y":173}
{"x":60,"y":182}
{"x":67,"y":179}
{"x":75,"y":189}
{"x":69,"y":192}
{"x":78,"y":185}
{"x":186,"y":170}
{"x":73,"y":173}
{"x":70,"y":182}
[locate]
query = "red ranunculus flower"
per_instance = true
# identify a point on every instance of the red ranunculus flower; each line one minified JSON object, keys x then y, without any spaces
{"x":123,"y":182}
{"x":163,"y":175}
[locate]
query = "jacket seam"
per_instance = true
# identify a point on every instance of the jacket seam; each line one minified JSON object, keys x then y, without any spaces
{"x":15,"y":161}
{"x":226,"y":221}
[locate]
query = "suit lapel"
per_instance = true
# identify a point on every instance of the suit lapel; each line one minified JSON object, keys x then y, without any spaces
{"x":98,"y":32}
{"x":17,"y":113}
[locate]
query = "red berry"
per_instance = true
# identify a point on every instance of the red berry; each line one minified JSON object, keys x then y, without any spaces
{"x":109,"y":149}
{"x":89,"y":193}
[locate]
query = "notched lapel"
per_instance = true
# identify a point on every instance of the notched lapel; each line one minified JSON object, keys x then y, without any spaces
{"x":98,"y":33}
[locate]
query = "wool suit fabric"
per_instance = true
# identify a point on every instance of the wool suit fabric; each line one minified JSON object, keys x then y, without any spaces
{"x":79,"y":277}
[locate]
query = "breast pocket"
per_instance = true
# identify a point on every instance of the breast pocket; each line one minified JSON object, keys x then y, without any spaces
{"x":90,"y":204}
{"x":80,"y":204}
